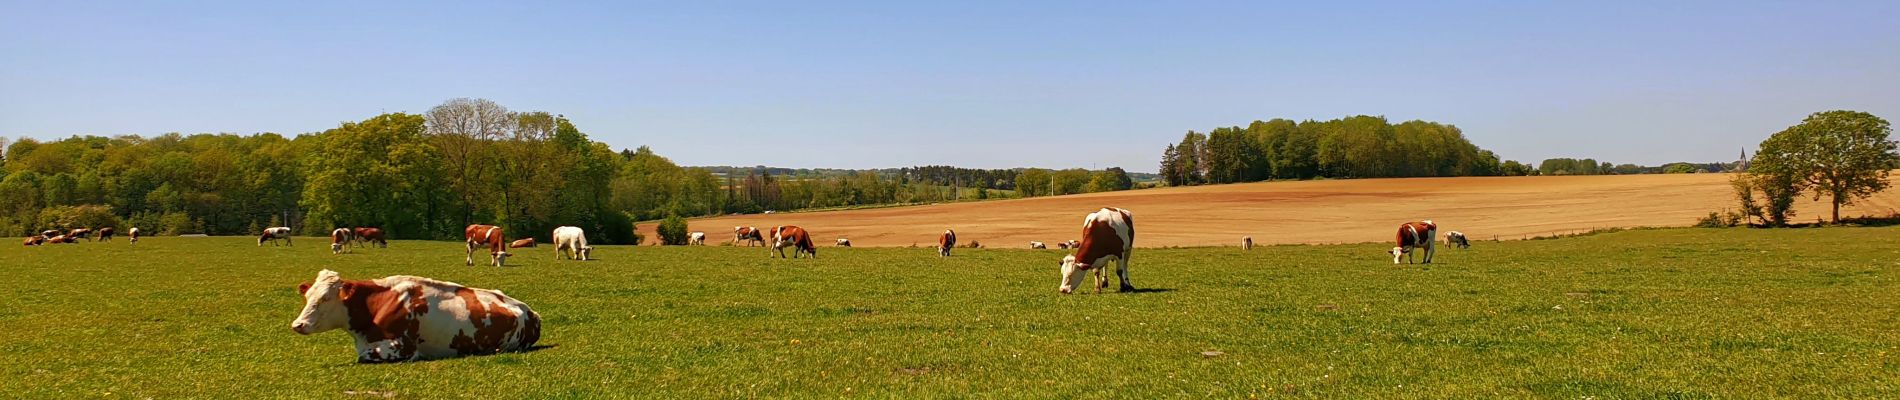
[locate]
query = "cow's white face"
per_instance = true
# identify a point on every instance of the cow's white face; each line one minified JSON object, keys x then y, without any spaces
{"x":1398,"y":251}
{"x":1071,"y":274}
{"x":586,"y":250}
{"x":323,"y":305}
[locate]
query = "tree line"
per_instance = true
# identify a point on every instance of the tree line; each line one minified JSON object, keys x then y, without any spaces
{"x":426,"y":176}
{"x":1352,"y":147}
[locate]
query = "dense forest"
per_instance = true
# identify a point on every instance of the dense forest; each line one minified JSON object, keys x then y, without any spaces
{"x":425,"y":176}
{"x":1351,"y":147}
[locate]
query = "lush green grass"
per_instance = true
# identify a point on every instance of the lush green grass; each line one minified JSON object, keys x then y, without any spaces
{"x":1639,"y":314}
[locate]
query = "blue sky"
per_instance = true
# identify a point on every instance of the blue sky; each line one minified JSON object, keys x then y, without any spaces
{"x":981,"y":84}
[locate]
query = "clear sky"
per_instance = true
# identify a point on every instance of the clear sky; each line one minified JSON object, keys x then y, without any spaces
{"x":968,"y":83}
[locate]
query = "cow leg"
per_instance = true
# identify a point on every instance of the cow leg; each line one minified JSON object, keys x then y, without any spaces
{"x":1121,"y":271}
{"x":471,"y":253}
{"x":1431,"y":249}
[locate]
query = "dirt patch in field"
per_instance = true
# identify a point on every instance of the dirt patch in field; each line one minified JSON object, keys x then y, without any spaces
{"x":1309,"y":212}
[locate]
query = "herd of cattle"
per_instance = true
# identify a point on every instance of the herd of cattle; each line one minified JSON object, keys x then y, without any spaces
{"x":403,"y":318}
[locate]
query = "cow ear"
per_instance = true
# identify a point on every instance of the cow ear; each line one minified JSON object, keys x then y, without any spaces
{"x":303,"y":288}
{"x":345,"y":289}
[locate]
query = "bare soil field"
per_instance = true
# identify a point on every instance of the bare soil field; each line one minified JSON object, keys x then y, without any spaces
{"x":1302,"y":212}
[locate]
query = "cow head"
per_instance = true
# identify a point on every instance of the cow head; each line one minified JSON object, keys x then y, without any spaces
{"x":1072,"y":273}
{"x":501,"y":257}
{"x":585,"y":251}
{"x":336,"y":247}
{"x":1397,"y":252}
{"x":323,"y":308}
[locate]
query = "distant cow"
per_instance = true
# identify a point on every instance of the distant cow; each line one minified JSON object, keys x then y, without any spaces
{"x":1038,"y":245}
{"x":80,"y":233}
{"x":1074,"y":244}
{"x":1108,"y":236}
{"x":105,"y":234}
{"x":523,"y":243}
{"x":795,"y":237}
{"x":404,"y":318}
{"x":34,"y":241}
{"x":573,"y":241}
{"x":747,"y":234}
{"x":1062,"y":245}
{"x":49,"y":233}
{"x":1415,"y":235}
{"x":489,"y":236}
{"x":370,"y":235}
{"x":1456,"y":238}
{"x":1246,"y":242}
{"x":274,"y":234}
{"x":696,"y":238}
{"x":62,"y":239}
{"x":842,"y":242}
{"x":133,"y":234}
{"x":340,"y":239}
{"x":945,"y":242}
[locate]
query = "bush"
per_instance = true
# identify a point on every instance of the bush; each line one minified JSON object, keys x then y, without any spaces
{"x":672,"y":230}
{"x":1726,"y":219}
{"x":176,"y":223}
{"x":82,"y":216}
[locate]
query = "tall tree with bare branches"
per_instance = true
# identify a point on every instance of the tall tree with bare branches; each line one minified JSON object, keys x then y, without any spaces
{"x":460,"y":127}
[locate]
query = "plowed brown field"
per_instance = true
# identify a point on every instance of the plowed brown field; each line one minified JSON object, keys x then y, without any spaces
{"x":1331,"y":211}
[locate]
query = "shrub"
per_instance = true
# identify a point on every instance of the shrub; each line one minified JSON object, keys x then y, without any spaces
{"x":1725,"y":219}
{"x":672,"y":230}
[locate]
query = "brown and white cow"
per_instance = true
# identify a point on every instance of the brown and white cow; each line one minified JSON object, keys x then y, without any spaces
{"x":945,"y":242}
{"x":1456,"y":238}
{"x":340,"y":239}
{"x":49,"y":233}
{"x":842,"y":242}
{"x":62,"y":239}
{"x":1246,"y":242}
{"x":133,"y":234}
{"x":792,"y":236}
{"x":105,"y":234}
{"x":490,"y":236}
{"x":696,"y":238}
{"x":521,"y":244}
{"x":1415,"y":235}
{"x":1108,"y":236}
{"x":404,"y":318}
{"x":80,"y":233}
{"x":370,"y":235}
{"x":34,"y":241}
{"x":747,"y":234}
{"x":273,"y":234}
{"x":571,"y":240}
{"x":1038,"y":245}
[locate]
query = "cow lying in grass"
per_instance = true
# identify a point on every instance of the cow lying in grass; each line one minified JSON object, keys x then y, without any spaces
{"x":404,"y":318}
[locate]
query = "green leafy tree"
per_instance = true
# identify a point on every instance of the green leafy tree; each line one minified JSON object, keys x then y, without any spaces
{"x":1842,"y":155}
{"x":672,"y":231}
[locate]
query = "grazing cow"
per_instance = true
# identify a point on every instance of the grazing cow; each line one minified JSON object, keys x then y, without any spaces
{"x":371,"y":236}
{"x":523,"y":243}
{"x":1107,"y":236}
{"x":489,"y":236}
{"x":747,"y":234}
{"x":105,"y":234}
{"x":1246,"y":242}
{"x":1074,"y":244}
{"x":405,"y":318}
{"x":34,"y":241}
{"x":49,"y":233}
{"x":274,"y":234}
{"x":340,"y":239}
{"x":1038,"y":245}
{"x":80,"y":233}
{"x":792,"y":236}
{"x":1062,"y":245}
{"x":1456,"y":238}
{"x":133,"y":234}
{"x":696,"y":238}
{"x":842,"y":242}
{"x":945,"y":242}
{"x":573,"y":241}
{"x":1415,"y":234}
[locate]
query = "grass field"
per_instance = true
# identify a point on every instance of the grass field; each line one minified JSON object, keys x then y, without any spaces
{"x":1689,"y":313}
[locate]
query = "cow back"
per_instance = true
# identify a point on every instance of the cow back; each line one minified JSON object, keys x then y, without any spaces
{"x":1109,"y":232}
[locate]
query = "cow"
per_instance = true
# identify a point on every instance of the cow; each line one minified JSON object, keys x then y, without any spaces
{"x":133,"y":234}
{"x":1108,"y":236}
{"x":273,"y":234}
{"x":842,"y":242}
{"x":792,"y":236}
{"x":696,"y":238}
{"x":49,"y":233}
{"x":1038,"y":245}
{"x":105,"y":234}
{"x":1062,"y":245}
{"x":1246,"y":242}
{"x":34,"y":241}
{"x":489,"y":236}
{"x":572,"y":241}
{"x":80,"y":233}
{"x":1415,"y":235}
{"x":406,"y":318}
{"x":1456,"y":238}
{"x":520,"y":244}
{"x":62,"y":239}
{"x":1074,"y":244}
{"x":340,"y":239}
{"x":945,"y":242}
{"x":370,"y":235}
{"x":747,"y":234}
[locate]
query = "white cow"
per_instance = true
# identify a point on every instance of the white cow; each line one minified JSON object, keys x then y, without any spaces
{"x":1456,"y":238}
{"x":274,"y":234}
{"x":1038,"y":245}
{"x":842,"y":242}
{"x":696,"y":238}
{"x":571,"y":242}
